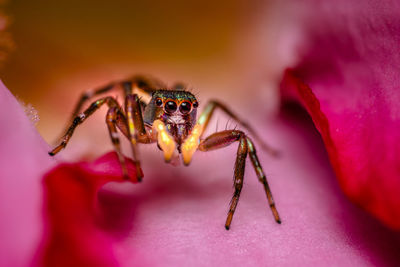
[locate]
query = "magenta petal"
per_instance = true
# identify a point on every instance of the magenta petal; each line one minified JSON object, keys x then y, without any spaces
{"x":348,"y":79}
{"x":76,"y":233}
{"x":179,"y":213}
{"x":176,"y":216}
{"x":23,"y":161}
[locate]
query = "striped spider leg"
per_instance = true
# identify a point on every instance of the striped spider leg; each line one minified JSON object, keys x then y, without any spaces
{"x":129,"y":122}
{"x":222,"y":139}
{"x":168,"y":117}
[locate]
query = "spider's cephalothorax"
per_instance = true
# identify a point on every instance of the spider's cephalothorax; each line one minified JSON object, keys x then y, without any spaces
{"x":168,"y":118}
{"x":177,"y":109}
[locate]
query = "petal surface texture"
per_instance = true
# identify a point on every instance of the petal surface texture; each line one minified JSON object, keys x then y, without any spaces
{"x":348,"y":79}
{"x":176,"y":216}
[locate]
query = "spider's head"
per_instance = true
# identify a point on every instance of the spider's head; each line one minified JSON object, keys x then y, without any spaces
{"x":173,"y":107}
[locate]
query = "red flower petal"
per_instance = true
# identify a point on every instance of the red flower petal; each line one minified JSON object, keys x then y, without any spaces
{"x":348,"y":80}
{"x":76,"y":232}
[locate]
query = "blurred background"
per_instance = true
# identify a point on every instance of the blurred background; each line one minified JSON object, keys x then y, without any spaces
{"x":221,"y":49}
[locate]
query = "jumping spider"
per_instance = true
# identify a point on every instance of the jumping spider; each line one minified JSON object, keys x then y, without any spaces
{"x":169,"y":118}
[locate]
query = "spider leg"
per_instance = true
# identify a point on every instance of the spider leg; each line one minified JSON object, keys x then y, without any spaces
{"x":140,"y":84}
{"x":111,"y":102}
{"x":111,"y":120}
{"x":85,"y":97}
{"x":246,"y":146}
{"x":88,"y":94}
{"x":137,"y":90}
{"x":223,"y":139}
{"x":262,"y":178}
{"x":136,"y":128}
{"x":191,"y":143}
{"x":265,"y":146}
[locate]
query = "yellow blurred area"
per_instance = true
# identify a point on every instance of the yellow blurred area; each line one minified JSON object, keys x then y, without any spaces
{"x":66,"y":47}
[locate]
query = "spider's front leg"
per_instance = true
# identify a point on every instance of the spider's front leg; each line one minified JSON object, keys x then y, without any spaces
{"x":114,"y":118}
{"x":80,"y":118}
{"x":111,"y":120}
{"x":192,"y":142}
{"x":246,"y":146}
{"x":223,"y":139}
{"x":136,"y":130}
{"x":141,"y":85}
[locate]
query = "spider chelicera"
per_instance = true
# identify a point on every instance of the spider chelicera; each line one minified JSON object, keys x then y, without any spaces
{"x":168,"y":117}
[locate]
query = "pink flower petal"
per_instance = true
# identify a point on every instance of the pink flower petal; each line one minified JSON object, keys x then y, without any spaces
{"x":176,"y":216}
{"x":348,"y":79}
{"x":23,"y":162}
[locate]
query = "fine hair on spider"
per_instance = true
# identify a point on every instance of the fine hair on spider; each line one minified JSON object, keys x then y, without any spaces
{"x":168,"y":117}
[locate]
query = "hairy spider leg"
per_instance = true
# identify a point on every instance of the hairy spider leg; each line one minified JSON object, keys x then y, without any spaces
{"x":246,"y":146}
{"x":191,"y":143}
{"x":144,"y":84}
{"x":114,"y":117}
{"x":84,"y":98}
{"x":215,"y":103}
{"x":262,"y":178}
{"x":136,"y":128}
{"x":111,"y":102}
{"x":137,"y":91}
{"x":193,"y":140}
{"x":111,"y":120}
{"x":141,"y":84}
{"x":223,"y":139}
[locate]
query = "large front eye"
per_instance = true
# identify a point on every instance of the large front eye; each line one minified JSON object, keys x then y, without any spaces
{"x":185,"y":107}
{"x":170,"y":106}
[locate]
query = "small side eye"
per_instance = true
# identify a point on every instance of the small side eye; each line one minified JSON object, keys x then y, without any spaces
{"x":159,"y":102}
{"x":195,"y":104}
{"x":185,"y":107}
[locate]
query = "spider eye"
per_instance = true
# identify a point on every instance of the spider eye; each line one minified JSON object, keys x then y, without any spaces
{"x":159,"y":102}
{"x":170,"y":106}
{"x":195,"y":104}
{"x":185,"y":107}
